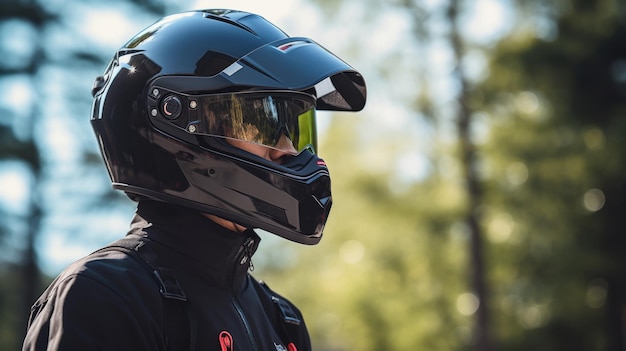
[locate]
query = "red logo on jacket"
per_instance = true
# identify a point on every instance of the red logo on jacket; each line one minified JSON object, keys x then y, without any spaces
{"x":226,"y":341}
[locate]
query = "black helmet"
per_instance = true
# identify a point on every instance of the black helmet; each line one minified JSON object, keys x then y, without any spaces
{"x":173,"y":94}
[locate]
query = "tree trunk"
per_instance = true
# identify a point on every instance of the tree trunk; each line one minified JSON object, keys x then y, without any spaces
{"x":30,"y":271}
{"x":473,"y":191}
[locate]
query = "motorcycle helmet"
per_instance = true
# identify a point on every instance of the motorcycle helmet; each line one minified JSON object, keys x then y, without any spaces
{"x":173,"y":95}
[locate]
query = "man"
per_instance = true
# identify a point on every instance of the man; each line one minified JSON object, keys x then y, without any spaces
{"x":207,"y":120}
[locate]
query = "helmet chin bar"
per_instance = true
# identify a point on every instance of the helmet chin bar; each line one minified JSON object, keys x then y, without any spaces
{"x":282,"y":231}
{"x":236,"y":189}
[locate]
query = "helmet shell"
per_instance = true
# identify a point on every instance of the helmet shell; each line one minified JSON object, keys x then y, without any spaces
{"x":217,"y":51}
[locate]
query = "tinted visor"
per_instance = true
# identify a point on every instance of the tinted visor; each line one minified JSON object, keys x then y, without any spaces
{"x":261,"y":117}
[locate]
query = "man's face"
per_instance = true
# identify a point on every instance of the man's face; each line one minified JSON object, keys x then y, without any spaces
{"x":284,"y":147}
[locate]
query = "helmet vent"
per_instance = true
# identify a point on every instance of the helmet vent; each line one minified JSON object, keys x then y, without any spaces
{"x":220,"y":15}
{"x":270,"y":210}
{"x":212,"y":63}
{"x":217,"y":12}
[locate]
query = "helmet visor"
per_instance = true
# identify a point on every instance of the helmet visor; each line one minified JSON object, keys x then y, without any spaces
{"x":258,"y":117}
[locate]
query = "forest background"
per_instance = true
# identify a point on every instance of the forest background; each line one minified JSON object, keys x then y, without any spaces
{"x":479,"y":197}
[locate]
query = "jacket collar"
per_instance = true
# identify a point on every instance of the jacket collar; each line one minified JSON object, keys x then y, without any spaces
{"x":199,"y":244}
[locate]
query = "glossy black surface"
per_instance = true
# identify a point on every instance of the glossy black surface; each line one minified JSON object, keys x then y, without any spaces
{"x":203,"y":53}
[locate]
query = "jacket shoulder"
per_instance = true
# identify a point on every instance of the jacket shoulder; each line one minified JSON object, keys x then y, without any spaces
{"x":111,"y":270}
{"x":103,"y":297}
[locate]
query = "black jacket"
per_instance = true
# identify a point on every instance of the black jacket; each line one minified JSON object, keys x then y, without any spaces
{"x":109,"y":300}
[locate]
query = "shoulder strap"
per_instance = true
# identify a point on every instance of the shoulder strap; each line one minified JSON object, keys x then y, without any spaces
{"x":179,"y":323}
{"x":291,"y":326}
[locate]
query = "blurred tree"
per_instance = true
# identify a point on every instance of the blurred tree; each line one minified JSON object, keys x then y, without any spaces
{"x":472,"y":186}
{"x":20,"y":64}
{"x":387,"y":274}
{"x":545,"y":139}
{"x":545,"y":131}
{"x":455,"y":222}
{"x":46,"y":154}
{"x":391,"y":270}
{"x":555,"y":173}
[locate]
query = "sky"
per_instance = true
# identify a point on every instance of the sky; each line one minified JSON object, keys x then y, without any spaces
{"x":106,"y":28}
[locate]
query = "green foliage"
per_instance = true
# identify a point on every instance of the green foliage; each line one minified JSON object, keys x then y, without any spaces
{"x":388,"y":272}
{"x":391,"y":272}
{"x":9,"y":303}
{"x":34,"y":107}
{"x":553,"y":152}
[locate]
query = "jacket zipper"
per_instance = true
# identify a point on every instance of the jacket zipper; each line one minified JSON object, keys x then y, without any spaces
{"x":245,"y":259}
{"x":247,"y":253}
{"x":245,"y":322}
